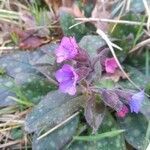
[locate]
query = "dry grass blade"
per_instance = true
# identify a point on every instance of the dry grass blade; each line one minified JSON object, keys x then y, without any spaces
{"x":10,"y":128}
{"x":112,"y":21}
{"x":128,"y":3}
{"x":148,"y":147}
{"x":59,"y":125}
{"x":139,"y":45}
{"x":148,"y":13}
{"x":120,"y":14}
{"x":9,"y":48}
{"x":10,"y":143}
{"x":10,"y":124}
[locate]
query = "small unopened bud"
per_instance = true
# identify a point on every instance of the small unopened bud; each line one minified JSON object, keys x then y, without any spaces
{"x":82,"y":56}
{"x":111,"y":99}
{"x":124,"y":95}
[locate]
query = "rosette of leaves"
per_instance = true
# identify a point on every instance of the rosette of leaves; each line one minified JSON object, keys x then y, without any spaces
{"x":55,"y":116}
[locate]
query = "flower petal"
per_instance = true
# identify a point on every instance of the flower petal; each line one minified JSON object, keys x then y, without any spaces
{"x":67,"y":49}
{"x":62,"y":75}
{"x":67,"y":87}
{"x":136,"y":102}
{"x":110,"y":65}
{"x":122,"y":113}
{"x":67,"y":78}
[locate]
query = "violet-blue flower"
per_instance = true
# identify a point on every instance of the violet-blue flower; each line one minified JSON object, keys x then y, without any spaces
{"x":67,"y":49}
{"x":67,"y":78}
{"x":136,"y":102}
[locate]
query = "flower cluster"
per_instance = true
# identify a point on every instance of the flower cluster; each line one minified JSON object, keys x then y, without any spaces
{"x":76,"y":65}
{"x":120,"y":100}
{"x":68,"y":76}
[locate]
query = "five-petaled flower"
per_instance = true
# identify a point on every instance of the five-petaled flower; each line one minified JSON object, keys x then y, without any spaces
{"x":110,"y":65}
{"x":135,"y":102}
{"x":67,"y":49}
{"x":67,"y":78}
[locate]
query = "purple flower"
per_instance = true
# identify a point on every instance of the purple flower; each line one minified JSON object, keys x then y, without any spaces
{"x":67,"y":49}
{"x":136,"y":102}
{"x":67,"y":78}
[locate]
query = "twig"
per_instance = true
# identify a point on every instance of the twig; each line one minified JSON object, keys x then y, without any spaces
{"x":57,"y":126}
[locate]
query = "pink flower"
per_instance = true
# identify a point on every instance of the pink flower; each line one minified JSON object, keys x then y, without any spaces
{"x":67,"y":78}
{"x":122,"y":113}
{"x":110,"y":65}
{"x":67,"y":49}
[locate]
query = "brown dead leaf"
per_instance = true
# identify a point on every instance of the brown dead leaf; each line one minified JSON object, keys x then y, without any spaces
{"x":29,"y":39}
{"x":73,"y":10}
{"x":54,"y":5}
{"x":102,"y":11}
{"x":115,"y":76}
{"x":28,"y":19}
{"x":64,"y":5}
{"x":32,"y":42}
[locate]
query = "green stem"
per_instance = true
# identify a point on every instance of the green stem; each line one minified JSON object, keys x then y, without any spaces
{"x":147,"y":63}
{"x":147,"y":137}
{"x":140,"y":32}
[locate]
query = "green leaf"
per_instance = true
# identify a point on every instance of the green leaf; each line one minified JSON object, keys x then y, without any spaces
{"x":91,"y":43}
{"x":16,"y":63}
{"x":2,"y":71}
{"x":145,"y":109}
{"x":121,"y":31}
{"x":94,"y":112}
{"x":126,"y":34}
{"x":58,"y":138}
{"x":53,"y":109}
{"x":136,"y":76}
{"x":137,"y":6}
{"x":5,"y":84}
{"x":16,"y":133}
{"x":105,"y":83}
{"x":135,"y":126}
{"x":33,"y":86}
{"x":111,"y":143}
{"x":67,"y":20}
{"x":22,"y":67}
